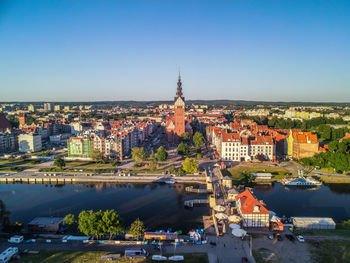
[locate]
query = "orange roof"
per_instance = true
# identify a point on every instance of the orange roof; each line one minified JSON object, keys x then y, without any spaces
{"x":248,"y":203}
{"x":230,"y":137}
{"x":305,"y":137}
{"x":347,"y":136}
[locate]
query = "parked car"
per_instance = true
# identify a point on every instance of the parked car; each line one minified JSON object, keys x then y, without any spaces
{"x":301,"y":239}
{"x":16,"y":239}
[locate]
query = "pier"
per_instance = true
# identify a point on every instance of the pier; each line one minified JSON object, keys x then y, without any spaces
{"x":191,"y":203}
{"x":41,"y":178}
{"x":191,"y":189}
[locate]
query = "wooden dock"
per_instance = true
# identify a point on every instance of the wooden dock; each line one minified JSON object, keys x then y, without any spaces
{"x":191,"y":203}
{"x":191,"y":189}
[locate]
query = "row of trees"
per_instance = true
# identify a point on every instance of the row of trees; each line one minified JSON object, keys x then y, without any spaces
{"x":101,"y":223}
{"x":338,"y":157}
{"x":184,"y":148}
{"x":139,"y":154}
{"x":325,"y":132}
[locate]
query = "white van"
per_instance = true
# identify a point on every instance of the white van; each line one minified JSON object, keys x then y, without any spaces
{"x":135,"y":253}
{"x":7,"y":254}
{"x":16,"y":239}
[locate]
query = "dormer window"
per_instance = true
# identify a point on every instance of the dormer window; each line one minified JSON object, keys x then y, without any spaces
{"x":256,"y":209}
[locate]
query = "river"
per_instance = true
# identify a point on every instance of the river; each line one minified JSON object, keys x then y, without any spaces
{"x":159,"y":205}
{"x":330,"y":200}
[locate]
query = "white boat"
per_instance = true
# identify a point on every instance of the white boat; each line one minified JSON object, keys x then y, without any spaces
{"x":301,"y":181}
{"x":170,"y":181}
{"x":176,"y":258}
{"x":159,"y":258}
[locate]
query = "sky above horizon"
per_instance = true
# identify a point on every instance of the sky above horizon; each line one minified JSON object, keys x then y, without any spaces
{"x":132,"y":50}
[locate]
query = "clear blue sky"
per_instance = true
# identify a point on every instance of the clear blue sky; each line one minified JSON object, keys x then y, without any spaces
{"x":132,"y":50}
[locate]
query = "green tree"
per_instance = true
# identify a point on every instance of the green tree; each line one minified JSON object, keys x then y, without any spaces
{"x":137,"y":228}
{"x":172,"y":169}
{"x":111,"y":223}
{"x":183,"y":149}
{"x":198,"y":139}
{"x":190,"y":165}
{"x":185,"y":137}
{"x":116,"y":163}
{"x":139,"y":154}
{"x":97,"y":156}
{"x":70,"y":221}
{"x":333,"y":146}
{"x":161,"y":154}
{"x":59,"y":162}
{"x":249,"y":177}
{"x":153,"y":165}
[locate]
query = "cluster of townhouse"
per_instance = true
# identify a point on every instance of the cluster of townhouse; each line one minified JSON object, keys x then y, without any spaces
{"x":299,"y":113}
{"x":244,"y":140}
{"x":113,"y":140}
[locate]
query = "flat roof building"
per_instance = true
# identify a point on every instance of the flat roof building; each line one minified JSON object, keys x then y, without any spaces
{"x":45,"y":224}
{"x":313,"y":223}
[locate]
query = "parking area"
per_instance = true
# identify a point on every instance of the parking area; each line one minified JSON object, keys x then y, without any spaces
{"x":287,"y":250}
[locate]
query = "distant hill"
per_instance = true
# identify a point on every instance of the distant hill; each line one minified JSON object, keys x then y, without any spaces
{"x":206,"y":102}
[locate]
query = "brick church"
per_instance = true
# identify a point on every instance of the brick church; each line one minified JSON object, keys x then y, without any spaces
{"x":177,"y":124}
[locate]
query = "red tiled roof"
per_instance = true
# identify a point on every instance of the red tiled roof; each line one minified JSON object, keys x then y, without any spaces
{"x":248,"y":203}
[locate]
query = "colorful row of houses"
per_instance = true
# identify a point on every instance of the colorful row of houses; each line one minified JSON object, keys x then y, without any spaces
{"x":244,"y":140}
{"x":113,"y":143}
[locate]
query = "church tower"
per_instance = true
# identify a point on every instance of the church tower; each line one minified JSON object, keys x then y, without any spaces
{"x":179,"y":107}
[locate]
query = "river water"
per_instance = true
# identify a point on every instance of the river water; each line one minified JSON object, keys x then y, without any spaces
{"x":331,"y":200}
{"x":159,"y":205}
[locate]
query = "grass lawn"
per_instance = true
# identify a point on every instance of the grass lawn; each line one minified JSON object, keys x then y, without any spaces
{"x":330,"y":251}
{"x":334,"y":180}
{"x":94,"y":256}
{"x":14,"y":162}
{"x":237,"y":172}
{"x":263,"y":255}
{"x":341,"y":230}
{"x":89,"y":164}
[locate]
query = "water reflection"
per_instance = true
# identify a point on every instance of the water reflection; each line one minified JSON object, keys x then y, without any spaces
{"x":159,"y":206}
{"x":331,"y":200}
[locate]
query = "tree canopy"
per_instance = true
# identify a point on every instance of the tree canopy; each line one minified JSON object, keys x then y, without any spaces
{"x":99,"y":223}
{"x":161,"y":154}
{"x":337,"y":157}
{"x":137,"y":228}
{"x":59,"y":162}
{"x":183,"y":149}
{"x":139,"y":154}
{"x":198,"y":139}
{"x":190,"y":165}
{"x":185,"y":137}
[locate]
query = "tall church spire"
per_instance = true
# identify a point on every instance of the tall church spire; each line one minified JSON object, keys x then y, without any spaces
{"x":179,"y":89}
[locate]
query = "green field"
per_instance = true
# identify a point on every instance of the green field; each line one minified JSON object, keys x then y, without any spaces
{"x":94,"y":256}
{"x":342,"y":229}
{"x":89,"y":164}
{"x":237,"y":172}
{"x":330,"y":251}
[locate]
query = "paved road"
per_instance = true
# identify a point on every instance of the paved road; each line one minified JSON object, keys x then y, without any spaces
{"x":227,"y":249}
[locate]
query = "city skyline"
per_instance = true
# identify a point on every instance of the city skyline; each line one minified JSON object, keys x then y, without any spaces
{"x":132,"y":51}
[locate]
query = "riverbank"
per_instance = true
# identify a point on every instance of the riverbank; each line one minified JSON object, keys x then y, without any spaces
{"x":42,"y":178}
